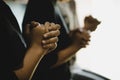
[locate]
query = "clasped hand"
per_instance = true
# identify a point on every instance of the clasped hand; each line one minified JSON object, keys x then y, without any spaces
{"x":79,"y":38}
{"x":44,"y":35}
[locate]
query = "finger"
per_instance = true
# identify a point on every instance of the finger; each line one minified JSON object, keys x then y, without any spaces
{"x":53,"y":47}
{"x":34,"y":24}
{"x":40,"y":30}
{"x":54,"y":26}
{"x":47,"y":24}
{"x":50,"y":46}
{"x":52,"y":34}
{"x":51,"y":40}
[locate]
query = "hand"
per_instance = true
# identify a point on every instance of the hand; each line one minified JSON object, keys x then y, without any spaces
{"x":79,"y":38}
{"x":90,"y":23}
{"x":34,"y":33}
{"x":51,"y":37}
{"x":45,"y":35}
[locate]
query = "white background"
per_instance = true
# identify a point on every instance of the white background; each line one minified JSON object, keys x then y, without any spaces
{"x":102,"y":55}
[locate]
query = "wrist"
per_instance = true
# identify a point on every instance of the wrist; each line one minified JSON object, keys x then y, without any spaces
{"x":76,"y":47}
{"x":37,"y":49}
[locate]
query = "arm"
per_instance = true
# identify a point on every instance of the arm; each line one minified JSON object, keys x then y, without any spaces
{"x":34,"y":53}
{"x":37,"y":50}
{"x":11,"y":57}
{"x":79,"y":40}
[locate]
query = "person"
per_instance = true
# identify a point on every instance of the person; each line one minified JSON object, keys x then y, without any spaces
{"x":21,"y":51}
{"x":69,"y":43}
{"x":68,"y":10}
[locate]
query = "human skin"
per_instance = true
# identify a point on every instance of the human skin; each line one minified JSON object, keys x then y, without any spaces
{"x":43,"y":40}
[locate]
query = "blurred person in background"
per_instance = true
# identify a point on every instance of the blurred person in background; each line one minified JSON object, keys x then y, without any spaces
{"x":68,"y":10}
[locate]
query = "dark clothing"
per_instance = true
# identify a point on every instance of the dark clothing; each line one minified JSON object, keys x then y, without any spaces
{"x":12,"y":44}
{"x":62,"y":72}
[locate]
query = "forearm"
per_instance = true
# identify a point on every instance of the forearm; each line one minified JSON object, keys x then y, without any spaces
{"x":31,"y":59}
{"x":65,"y":55}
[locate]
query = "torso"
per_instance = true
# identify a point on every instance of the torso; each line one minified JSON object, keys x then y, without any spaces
{"x":18,"y":9}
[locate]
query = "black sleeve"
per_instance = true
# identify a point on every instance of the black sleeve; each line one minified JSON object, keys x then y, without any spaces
{"x":8,"y":75}
{"x":44,"y":66}
{"x":48,"y":60}
{"x":6,"y":71}
{"x":39,"y":10}
{"x":7,"y":61}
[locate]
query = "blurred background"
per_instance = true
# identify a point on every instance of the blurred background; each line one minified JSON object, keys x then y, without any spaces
{"x":102,"y":55}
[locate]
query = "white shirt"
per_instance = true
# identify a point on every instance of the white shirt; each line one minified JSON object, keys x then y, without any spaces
{"x":18,"y":10}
